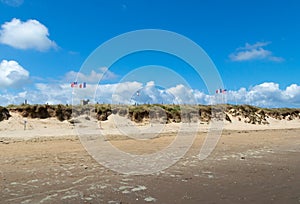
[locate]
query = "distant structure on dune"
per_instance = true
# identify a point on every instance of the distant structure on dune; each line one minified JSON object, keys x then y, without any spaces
{"x":84,"y":102}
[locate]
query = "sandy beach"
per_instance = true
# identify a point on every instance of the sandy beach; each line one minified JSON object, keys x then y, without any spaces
{"x":140,"y":101}
{"x":251,"y":164}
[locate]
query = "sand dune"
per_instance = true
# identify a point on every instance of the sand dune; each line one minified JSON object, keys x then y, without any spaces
{"x":13,"y":128}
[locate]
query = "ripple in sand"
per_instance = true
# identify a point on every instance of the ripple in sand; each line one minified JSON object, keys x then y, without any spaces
{"x":150,"y":199}
{"x":139,"y":188}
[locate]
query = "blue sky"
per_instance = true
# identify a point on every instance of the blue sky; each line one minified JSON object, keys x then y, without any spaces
{"x":254,"y":45}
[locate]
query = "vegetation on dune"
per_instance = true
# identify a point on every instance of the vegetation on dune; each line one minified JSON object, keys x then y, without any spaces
{"x":4,"y":113}
{"x":163,"y":113}
{"x":102,"y":111}
{"x":61,"y":112}
{"x":283,"y":113}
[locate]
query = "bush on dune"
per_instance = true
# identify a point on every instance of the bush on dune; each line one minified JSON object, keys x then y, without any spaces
{"x":4,"y":114}
{"x":160,"y":112}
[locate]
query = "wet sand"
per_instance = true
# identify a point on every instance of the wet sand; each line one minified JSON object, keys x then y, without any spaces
{"x":261,"y":166}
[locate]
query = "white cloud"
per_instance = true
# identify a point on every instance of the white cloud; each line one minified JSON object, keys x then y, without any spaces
{"x":51,"y":93}
{"x":94,"y":76}
{"x":265,"y":94}
{"x":120,"y":92}
{"x":13,"y":3}
{"x":254,"y":46}
{"x":12,"y":74}
{"x":292,"y":91}
{"x":151,"y":93}
{"x":268,"y":94}
{"x":254,"y":52}
{"x":26,"y":35}
{"x":183,"y":94}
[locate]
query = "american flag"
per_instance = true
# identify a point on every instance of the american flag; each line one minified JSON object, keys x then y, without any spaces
{"x":221,"y":91}
{"x":74,"y":84}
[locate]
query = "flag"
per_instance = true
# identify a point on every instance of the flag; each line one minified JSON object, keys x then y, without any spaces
{"x":74,"y":84}
{"x":221,"y":91}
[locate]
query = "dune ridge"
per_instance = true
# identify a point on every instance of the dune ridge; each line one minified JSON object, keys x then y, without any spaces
{"x":163,"y":113}
{"x":54,"y":121}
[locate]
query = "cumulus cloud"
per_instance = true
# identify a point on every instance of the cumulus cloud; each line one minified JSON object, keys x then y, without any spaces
{"x":26,"y":35}
{"x":268,"y":94}
{"x":183,"y":94}
{"x":120,"y":92}
{"x":41,"y":94}
{"x":12,"y":74}
{"x":9,"y":98}
{"x":293,"y":91}
{"x":94,"y":76}
{"x":150,"y":93}
{"x":51,"y":93}
{"x":254,"y":52}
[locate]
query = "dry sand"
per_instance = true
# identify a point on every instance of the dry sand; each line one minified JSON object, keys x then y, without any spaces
{"x":47,"y":164}
{"x":13,"y":129}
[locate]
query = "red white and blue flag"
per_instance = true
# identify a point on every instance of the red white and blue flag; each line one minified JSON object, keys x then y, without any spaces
{"x":75,"y":85}
{"x":221,"y":91}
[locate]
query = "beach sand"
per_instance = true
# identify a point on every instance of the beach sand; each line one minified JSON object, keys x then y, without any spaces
{"x":247,"y":166}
